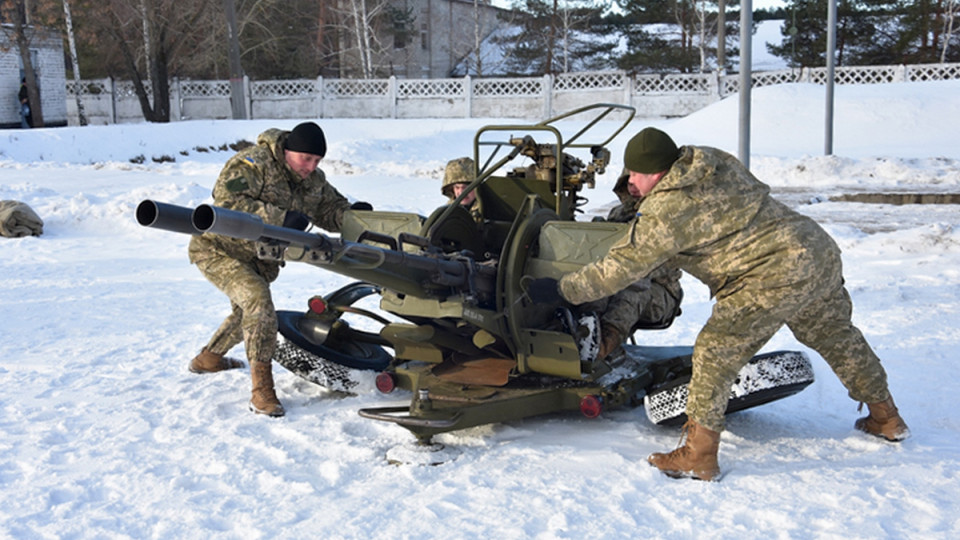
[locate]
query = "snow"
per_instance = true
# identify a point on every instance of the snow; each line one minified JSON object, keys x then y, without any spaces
{"x":105,"y":434}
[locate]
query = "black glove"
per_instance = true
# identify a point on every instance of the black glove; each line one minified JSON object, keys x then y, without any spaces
{"x":544,"y":291}
{"x":360,"y":205}
{"x":296,"y":220}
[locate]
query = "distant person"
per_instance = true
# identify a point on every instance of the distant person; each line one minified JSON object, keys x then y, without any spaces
{"x":278,"y":180}
{"x":766,"y":265}
{"x":26,"y":113}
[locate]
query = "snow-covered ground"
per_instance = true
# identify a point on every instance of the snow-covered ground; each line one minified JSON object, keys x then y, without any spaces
{"x":105,"y":434}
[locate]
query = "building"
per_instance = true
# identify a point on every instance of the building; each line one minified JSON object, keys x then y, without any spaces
{"x":416,"y":38}
{"x":46,"y":54}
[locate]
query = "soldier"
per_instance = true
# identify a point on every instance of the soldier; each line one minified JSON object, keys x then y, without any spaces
{"x":278,"y":180}
{"x":653,"y":301}
{"x":457,"y":175}
{"x":766,"y":265}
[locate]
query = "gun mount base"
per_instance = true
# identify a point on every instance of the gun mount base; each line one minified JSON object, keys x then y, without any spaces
{"x":654,"y":376}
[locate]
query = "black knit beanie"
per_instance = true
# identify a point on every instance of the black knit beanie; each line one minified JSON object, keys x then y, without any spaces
{"x":307,"y":138}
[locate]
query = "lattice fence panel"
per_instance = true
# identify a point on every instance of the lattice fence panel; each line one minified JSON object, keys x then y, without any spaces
{"x":204,"y":89}
{"x":868,"y":75}
{"x":933,"y":72}
{"x":414,"y":88}
{"x":88,"y":88}
{"x":125,"y":89}
{"x":508,"y":87}
{"x":685,"y":84}
{"x":344,"y":88}
{"x":729,"y":84}
{"x":595,"y":80}
{"x":283,"y":89}
{"x":770,"y":78}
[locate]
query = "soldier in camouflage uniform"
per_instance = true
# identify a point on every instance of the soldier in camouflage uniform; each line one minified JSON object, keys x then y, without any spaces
{"x":278,"y":180}
{"x":653,"y":301}
{"x":766,"y":265}
{"x":457,"y":175}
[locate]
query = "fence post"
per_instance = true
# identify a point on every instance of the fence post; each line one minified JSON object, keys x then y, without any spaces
{"x":392,"y":95}
{"x":547,"y":95}
{"x":318,"y":102}
{"x":248,"y":95}
{"x":468,"y":94}
{"x":901,"y":74}
{"x":113,"y":100}
{"x":715,"y":86}
{"x":176,"y":103}
{"x":627,"y":88}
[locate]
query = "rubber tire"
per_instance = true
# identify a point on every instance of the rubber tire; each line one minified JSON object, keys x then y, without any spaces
{"x":756,"y":398}
{"x":358,"y":355}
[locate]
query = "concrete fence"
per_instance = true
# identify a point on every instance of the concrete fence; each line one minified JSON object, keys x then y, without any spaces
{"x":107,"y":101}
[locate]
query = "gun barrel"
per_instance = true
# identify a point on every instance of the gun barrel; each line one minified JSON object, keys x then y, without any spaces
{"x":168,"y":217}
{"x":404,"y":272}
{"x":214,"y":219}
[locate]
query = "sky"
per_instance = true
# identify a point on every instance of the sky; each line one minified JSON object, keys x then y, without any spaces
{"x":105,"y":434}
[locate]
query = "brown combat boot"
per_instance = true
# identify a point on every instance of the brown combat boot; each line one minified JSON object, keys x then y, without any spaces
{"x":264,"y":399}
{"x":884,"y":421}
{"x":610,"y":339}
{"x":208,"y":362}
{"x":697,"y":458}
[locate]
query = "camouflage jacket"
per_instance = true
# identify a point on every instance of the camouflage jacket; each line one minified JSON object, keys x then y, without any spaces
{"x":257,"y":180}
{"x":666,"y":275}
{"x":710,"y":217}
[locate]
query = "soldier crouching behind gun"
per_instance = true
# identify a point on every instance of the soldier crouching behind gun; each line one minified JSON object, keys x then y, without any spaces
{"x":278,"y":180}
{"x":652,"y":302}
{"x":766,"y":265}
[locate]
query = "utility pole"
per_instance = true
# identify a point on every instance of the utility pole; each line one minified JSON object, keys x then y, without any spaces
{"x":722,"y":35}
{"x":831,"y":62}
{"x":237,"y":102}
{"x":746,"y":79}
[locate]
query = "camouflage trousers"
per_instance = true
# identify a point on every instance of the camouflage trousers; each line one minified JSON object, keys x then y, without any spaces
{"x":634,"y":305}
{"x":816,"y":308}
{"x":253,"y":318}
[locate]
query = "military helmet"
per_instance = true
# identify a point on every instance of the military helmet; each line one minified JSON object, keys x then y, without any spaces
{"x":458,"y":171}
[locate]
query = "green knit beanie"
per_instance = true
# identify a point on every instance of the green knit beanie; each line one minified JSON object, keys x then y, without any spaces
{"x":650,"y":151}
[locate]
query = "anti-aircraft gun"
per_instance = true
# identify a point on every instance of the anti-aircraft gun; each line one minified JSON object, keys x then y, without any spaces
{"x":463,"y":336}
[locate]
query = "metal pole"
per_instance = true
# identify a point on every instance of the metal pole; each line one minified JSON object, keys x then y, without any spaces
{"x":746,"y":70}
{"x":831,"y":61}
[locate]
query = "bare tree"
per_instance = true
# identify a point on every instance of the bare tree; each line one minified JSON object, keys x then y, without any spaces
{"x":476,"y":58}
{"x":360,"y":22}
{"x":950,"y":13}
{"x":700,"y":18}
{"x":68,"y":19}
{"x":152,"y":38}
{"x":573,"y":16}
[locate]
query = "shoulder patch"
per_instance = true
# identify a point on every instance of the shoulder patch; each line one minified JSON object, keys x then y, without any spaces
{"x":235,"y":185}
{"x":250,"y":160}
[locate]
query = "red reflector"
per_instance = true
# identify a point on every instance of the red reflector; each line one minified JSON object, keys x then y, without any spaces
{"x":591,"y":406}
{"x":385,"y":382}
{"x":317,"y":305}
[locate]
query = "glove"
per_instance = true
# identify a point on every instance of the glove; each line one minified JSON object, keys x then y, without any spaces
{"x":544,"y":291}
{"x":360,"y":205}
{"x":296,"y":220}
